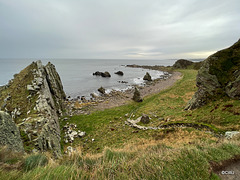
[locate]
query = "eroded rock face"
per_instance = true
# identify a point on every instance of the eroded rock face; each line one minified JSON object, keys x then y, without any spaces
{"x":219,"y":75}
{"x":9,"y":133}
{"x":36,"y":104}
{"x":49,"y":107}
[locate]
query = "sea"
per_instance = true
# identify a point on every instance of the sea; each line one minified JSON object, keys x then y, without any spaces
{"x":77,"y":74}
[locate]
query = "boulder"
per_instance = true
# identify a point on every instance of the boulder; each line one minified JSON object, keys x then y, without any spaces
{"x":145,"y":119}
{"x":97,"y":73}
{"x":231,"y":134}
{"x":106,"y":74}
{"x":137,"y":96}
{"x":120,"y":73}
{"x":147,"y":77}
{"x":101,"y":90}
{"x":9,"y":135}
{"x":218,"y":76}
{"x":103,"y":74}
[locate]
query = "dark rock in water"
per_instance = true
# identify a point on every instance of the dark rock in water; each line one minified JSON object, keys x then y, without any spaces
{"x":97,"y":73}
{"x":103,"y":74}
{"x":218,"y":76}
{"x":120,"y":73}
{"x":125,"y":82}
{"x":147,"y":77}
{"x":101,"y":90}
{"x":137,"y":96}
{"x":106,"y":74}
{"x":9,"y":135}
{"x":182,"y":64}
{"x":145,"y":119}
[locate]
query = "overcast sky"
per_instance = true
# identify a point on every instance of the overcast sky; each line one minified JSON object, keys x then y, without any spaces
{"x":120,"y":29}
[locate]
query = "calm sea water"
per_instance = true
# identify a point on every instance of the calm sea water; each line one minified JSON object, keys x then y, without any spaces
{"x":76,"y":74}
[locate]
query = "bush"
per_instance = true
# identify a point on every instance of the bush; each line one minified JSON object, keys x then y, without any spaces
{"x":34,"y":161}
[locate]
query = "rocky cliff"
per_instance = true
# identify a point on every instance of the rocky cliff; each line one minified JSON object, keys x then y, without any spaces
{"x":218,"y":76}
{"x":9,"y":135}
{"x":34,"y":99}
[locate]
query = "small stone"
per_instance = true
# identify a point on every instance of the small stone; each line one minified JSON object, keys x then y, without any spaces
{"x":145,"y":119}
{"x":101,"y":90}
{"x":30,"y":88}
{"x":81,"y":134}
{"x":231,"y":134}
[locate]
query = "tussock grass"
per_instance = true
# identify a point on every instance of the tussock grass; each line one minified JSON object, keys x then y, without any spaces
{"x":34,"y":161}
{"x":146,"y":161}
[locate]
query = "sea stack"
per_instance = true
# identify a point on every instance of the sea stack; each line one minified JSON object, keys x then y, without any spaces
{"x":147,"y":77}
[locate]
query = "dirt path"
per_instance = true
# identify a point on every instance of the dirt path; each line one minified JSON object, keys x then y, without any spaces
{"x":119,"y":98}
{"x":230,"y":172}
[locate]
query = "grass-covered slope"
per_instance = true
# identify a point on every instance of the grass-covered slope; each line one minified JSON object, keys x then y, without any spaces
{"x":136,"y":161}
{"x":16,"y":93}
{"x":107,"y":127}
{"x":122,"y":152}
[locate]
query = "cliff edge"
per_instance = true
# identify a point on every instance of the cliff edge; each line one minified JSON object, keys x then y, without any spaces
{"x":219,"y":75}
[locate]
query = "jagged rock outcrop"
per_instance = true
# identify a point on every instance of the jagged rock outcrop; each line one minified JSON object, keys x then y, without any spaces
{"x":137,"y":96}
{"x":36,"y":103}
{"x":147,"y":77}
{"x":219,"y":75}
{"x":9,"y":133}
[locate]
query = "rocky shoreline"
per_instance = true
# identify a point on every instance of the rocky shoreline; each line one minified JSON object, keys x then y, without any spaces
{"x":118,"y":98}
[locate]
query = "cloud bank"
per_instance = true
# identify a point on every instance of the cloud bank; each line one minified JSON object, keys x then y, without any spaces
{"x":136,"y":29}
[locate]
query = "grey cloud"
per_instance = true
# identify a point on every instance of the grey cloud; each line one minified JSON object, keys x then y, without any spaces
{"x":153,"y":29}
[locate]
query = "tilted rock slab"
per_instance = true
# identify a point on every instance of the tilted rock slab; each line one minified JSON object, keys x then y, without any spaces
{"x":49,"y":106}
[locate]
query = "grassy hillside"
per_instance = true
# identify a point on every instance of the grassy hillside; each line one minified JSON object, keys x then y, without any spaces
{"x":121,"y":152}
{"x":108,"y":129}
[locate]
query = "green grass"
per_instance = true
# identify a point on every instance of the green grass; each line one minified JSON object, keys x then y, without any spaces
{"x":121,"y":152}
{"x":154,"y":161}
{"x":108,"y":129}
{"x":34,"y":161}
{"x":18,"y":91}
